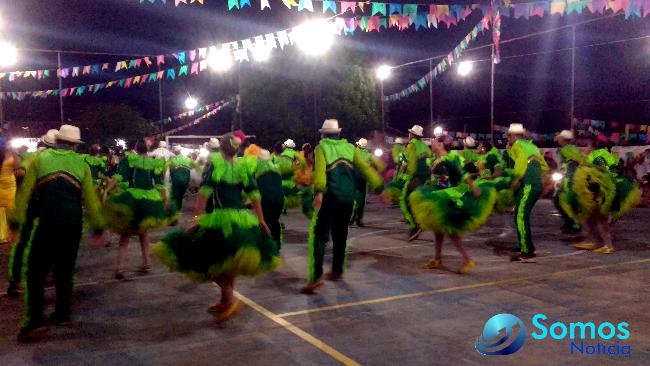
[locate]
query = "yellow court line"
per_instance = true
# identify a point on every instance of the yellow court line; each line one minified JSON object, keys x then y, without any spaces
{"x":457,"y":288}
{"x":343,"y":359}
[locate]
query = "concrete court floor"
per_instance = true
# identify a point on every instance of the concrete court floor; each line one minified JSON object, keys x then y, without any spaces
{"x":388,"y":311}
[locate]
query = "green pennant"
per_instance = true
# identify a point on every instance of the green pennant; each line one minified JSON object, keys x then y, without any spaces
{"x":152,"y":77}
{"x":379,"y":8}
{"x":410,"y":10}
{"x":182,"y":70}
{"x":364,"y":24}
{"x":233,"y":4}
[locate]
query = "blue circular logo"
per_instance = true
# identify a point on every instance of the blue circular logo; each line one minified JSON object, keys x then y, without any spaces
{"x":503,"y":334}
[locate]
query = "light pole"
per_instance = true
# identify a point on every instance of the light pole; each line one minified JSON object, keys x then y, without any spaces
{"x":383,"y":72}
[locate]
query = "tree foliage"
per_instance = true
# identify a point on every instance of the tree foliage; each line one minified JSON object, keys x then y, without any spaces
{"x":293,"y":104}
{"x":103,"y":123}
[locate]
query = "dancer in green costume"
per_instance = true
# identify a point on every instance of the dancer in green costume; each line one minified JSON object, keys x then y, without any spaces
{"x":418,"y":170}
{"x":289,"y":161}
{"x":451,"y":204}
{"x":180,"y":167}
{"x":18,"y":249}
{"x":97,"y":164}
{"x":57,"y":182}
{"x":362,"y":185}
{"x":528,"y":169}
{"x":141,"y":206}
{"x":335,"y":161}
{"x":394,"y":188}
{"x":269,"y":182}
{"x":603,"y":196}
{"x":229,"y":241}
{"x":571,"y":159}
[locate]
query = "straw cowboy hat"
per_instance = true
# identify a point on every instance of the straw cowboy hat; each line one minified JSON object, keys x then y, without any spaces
{"x":289,"y":143}
{"x":417,"y":130}
{"x":49,"y":138}
{"x":400,"y":140}
{"x":264,"y":155}
{"x":516,"y":129}
{"x":69,"y":133}
{"x":469,"y":142}
{"x":162,"y":144}
{"x":330,"y":127}
{"x":362,"y":143}
{"x":565,"y":134}
{"x":213,"y":143}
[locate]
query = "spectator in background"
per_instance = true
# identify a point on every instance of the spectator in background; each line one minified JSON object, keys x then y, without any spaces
{"x":550,"y":161}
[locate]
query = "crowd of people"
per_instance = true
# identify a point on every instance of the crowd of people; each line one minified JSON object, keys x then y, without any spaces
{"x":235,"y":228}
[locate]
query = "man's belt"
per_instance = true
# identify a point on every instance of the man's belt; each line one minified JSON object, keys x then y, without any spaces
{"x":54,"y":176}
{"x":340,"y":162}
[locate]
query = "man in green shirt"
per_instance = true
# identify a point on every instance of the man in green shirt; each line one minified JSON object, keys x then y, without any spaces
{"x":362,"y":185}
{"x":60,"y":181}
{"x":571,"y":158}
{"x":418,"y":170}
{"x":334,"y":185}
{"x":180,"y":167}
{"x":527,"y":170}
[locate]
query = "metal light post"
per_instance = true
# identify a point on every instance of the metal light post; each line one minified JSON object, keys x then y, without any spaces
{"x":492,"y":95}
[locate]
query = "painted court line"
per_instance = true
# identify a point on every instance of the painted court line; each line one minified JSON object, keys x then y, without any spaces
{"x":338,"y":356}
{"x":458,"y":288}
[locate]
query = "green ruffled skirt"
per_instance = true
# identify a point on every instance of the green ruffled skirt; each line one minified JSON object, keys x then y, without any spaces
{"x":628,"y":195}
{"x":225,"y":242}
{"x":393,"y":191}
{"x":591,"y":191}
{"x":505,"y":197}
{"x":135,"y":211}
{"x":452,"y":211}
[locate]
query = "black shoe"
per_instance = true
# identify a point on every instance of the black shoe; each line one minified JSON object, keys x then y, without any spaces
{"x":12,"y":290}
{"x":361,"y":224}
{"x":59,"y":319}
{"x":32,"y":333}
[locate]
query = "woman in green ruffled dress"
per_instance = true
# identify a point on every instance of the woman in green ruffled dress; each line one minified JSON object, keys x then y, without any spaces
{"x":451,"y":204}
{"x":229,"y":241}
{"x":136,"y":201}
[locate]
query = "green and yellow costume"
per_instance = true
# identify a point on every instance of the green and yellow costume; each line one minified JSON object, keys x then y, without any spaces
{"x":362,"y":186}
{"x":139,"y":206}
{"x":393,"y":190}
{"x":334,"y":177}
{"x":55,"y":185}
{"x":446,"y":205}
{"x":98,"y":167}
{"x":227,"y":241}
{"x":493,"y":171}
{"x":418,"y":171}
{"x":180,"y":167}
{"x":269,"y":183}
{"x":289,"y":162}
{"x":571,"y":158}
{"x":528,"y":166}
{"x":599,"y":189}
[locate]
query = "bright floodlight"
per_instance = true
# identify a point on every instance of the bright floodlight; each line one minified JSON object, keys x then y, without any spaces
{"x":8,"y":54}
{"x":379,"y":152}
{"x":120,"y":143}
{"x":219,"y":60}
{"x":464,"y":68}
{"x":191,"y":103}
{"x":557,"y":177}
{"x":261,"y":53}
{"x":437,"y":131}
{"x":383,"y":72}
{"x":315,"y":37}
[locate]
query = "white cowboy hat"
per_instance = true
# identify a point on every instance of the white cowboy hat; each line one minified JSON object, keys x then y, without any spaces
{"x":469,"y":141}
{"x":417,"y":130}
{"x":177,"y":149}
{"x":49,"y":138}
{"x":516,"y":129}
{"x":264,"y":155}
{"x":69,"y":133}
{"x":399,"y":140}
{"x":565,"y":134}
{"x":289,"y":143}
{"x":330,"y":126}
{"x":213,"y":143}
{"x":362,"y":143}
{"x":162,"y":144}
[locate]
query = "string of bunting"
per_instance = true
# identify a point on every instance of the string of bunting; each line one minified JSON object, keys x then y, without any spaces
{"x":176,"y":2}
{"x":454,"y":12}
{"x":195,"y":121}
{"x":201,"y":109}
{"x":443,"y":65}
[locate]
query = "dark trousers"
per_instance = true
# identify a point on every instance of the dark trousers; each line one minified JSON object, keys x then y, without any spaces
{"x":178,"y":192}
{"x":272,"y":212}
{"x":526,"y":197}
{"x":360,"y":200}
{"x":54,"y":243}
{"x":333,"y":217}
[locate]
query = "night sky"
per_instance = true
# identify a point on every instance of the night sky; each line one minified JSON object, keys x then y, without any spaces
{"x":612,"y":82}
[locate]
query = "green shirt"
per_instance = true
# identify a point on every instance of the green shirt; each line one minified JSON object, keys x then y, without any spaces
{"x":141,"y":171}
{"x":520,"y":153}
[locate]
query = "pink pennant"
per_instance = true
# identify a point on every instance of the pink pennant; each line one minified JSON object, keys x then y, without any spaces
{"x":105,"y":66}
{"x":160,"y":59}
{"x":373,"y":23}
{"x":86,"y":70}
{"x":616,"y":5}
{"x":138,"y":62}
{"x":348,"y":5}
{"x":160,"y":75}
{"x":147,"y":61}
{"x":404,"y":22}
{"x":128,"y":82}
{"x":176,"y":2}
{"x":195,"y":68}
